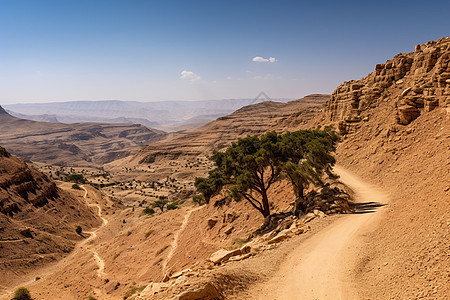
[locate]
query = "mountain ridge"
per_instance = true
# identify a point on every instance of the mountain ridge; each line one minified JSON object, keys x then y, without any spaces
{"x":163,"y":115}
{"x":72,"y":144}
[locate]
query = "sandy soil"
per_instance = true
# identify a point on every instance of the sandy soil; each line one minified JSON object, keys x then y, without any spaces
{"x":319,"y":268}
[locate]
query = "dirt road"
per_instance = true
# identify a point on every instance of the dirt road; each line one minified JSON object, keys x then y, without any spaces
{"x":321,"y":268}
{"x":93,"y":235}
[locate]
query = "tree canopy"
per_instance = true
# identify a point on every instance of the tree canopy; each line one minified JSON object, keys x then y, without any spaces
{"x":250,"y":166}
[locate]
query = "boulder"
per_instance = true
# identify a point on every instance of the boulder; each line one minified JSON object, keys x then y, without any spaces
{"x":223,"y":255}
{"x":240,"y":257}
{"x":212,"y":222}
{"x":283,"y":235}
{"x":27,"y":233}
{"x":300,"y":230}
{"x":246,"y":249}
{"x":152,"y":289}
{"x":229,"y":217}
{"x":319,"y":213}
{"x":228,"y":230}
{"x":180,"y":273}
{"x":309,"y":217}
{"x":356,"y":86}
{"x":407,"y":113}
{"x":208,"y":291}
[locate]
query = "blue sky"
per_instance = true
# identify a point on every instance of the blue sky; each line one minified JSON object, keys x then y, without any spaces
{"x":192,"y":50}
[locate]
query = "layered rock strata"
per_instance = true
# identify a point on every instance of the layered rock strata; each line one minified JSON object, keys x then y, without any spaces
{"x":418,"y":82}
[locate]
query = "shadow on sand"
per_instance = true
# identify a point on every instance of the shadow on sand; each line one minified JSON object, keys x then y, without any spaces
{"x":366,"y":207}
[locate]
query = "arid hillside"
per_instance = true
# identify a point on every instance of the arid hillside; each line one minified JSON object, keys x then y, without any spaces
{"x":253,"y":119}
{"x":395,"y":136}
{"x":78,"y":144}
{"x":37,"y":219}
{"x":397,"y":121}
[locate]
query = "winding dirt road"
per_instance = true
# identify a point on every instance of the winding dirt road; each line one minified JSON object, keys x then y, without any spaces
{"x":93,"y":234}
{"x":322,"y":267}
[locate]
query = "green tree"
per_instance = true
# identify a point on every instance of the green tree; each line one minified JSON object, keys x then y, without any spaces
{"x":21,"y":294}
{"x":251,"y":165}
{"x":75,"y":186}
{"x":171,"y":206}
{"x":309,"y":153}
{"x":160,"y":204}
{"x":149,"y":211}
{"x":199,"y":199}
{"x":78,"y":178}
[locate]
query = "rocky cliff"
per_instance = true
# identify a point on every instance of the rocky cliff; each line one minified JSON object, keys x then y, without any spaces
{"x":418,"y":82}
{"x":21,"y":186}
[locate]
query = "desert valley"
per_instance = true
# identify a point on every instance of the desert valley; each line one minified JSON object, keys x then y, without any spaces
{"x":98,"y":210}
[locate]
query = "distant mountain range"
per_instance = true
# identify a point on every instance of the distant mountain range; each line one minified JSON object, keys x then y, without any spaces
{"x":163,"y":115}
{"x":77,"y":144}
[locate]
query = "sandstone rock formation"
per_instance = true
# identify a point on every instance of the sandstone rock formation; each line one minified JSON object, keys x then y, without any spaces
{"x":420,"y":82}
{"x":21,"y":185}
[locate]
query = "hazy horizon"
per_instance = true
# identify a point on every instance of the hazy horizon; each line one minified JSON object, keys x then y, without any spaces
{"x":146,"y":51}
{"x":157,"y":101}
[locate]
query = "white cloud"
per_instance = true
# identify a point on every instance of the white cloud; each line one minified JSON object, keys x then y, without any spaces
{"x":262,"y":59}
{"x":191,"y":76}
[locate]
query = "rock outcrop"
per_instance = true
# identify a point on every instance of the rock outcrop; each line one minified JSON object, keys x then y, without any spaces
{"x":21,"y":186}
{"x":418,"y":81}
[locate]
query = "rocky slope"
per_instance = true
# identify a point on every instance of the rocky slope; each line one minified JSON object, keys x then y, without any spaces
{"x":397,"y":135}
{"x":37,"y":219}
{"x":78,"y":144}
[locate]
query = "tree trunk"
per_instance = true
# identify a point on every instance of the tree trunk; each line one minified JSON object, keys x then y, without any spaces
{"x":300,"y":205}
{"x":266,"y":221}
{"x":265,"y":203}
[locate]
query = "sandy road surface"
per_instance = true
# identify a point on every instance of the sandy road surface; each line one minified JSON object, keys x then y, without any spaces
{"x":321,"y":268}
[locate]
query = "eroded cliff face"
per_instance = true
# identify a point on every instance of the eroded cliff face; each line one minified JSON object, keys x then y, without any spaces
{"x":21,"y":186}
{"x":418,"y":82}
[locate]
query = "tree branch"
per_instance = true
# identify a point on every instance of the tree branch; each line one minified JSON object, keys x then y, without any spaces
{"x":272,"y":176}
{"x":252,"y":201}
